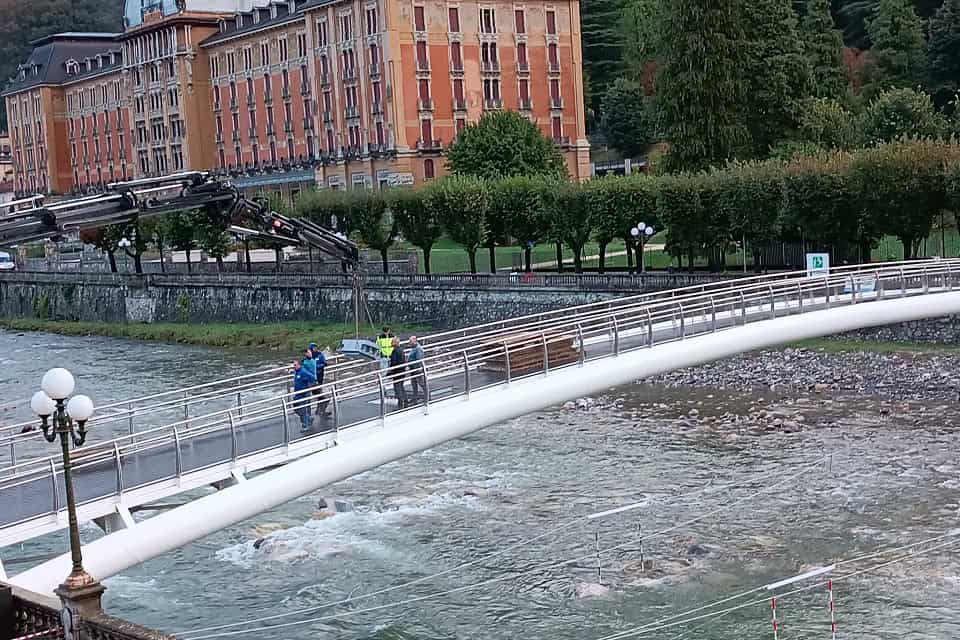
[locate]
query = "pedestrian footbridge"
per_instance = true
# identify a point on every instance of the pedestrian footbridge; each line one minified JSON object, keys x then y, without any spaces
{"x":241,"y":436}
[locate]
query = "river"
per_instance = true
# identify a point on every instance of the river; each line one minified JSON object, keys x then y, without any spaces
{"x":893,"y":480}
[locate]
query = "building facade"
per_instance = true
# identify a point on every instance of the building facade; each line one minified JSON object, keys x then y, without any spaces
{"x":337,"y":93}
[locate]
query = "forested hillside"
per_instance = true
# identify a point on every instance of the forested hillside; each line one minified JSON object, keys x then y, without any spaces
{"x":26,"y":20}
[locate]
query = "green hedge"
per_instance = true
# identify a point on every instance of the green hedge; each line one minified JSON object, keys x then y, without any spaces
{"x":840,"y":201}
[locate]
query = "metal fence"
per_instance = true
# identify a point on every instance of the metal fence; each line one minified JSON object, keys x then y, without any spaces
{"x":462,"y":362}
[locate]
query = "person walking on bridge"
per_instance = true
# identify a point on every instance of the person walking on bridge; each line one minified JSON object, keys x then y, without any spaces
{"x":415,"y":366}
{"x":320,"y":365}
{"x":302,"y":381}
{"x":385,"y":344}
{"x":398,"y":371}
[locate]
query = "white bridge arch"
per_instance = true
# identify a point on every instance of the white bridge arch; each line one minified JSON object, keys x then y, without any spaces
{"x":474,"y":382}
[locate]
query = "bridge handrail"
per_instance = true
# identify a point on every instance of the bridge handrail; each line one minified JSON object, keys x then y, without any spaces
{"x":439,"y":364}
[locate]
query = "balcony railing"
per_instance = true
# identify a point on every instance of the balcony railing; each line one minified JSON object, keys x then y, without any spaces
{"x":236,"y":135}
{"x":429,"y":145}
{"x":556,"y":103}
{"x":493,"y":104}
{"x":325,"y":79}
{"x":271,"y":130}
{"x":375,"y":70}
{"x":252,"y":132}
{"x":268,"y":98}
{"x":308,"y":124}
{"x":218,"y":137}
{"x":554,"y":68}
{"x":423,"y":66}
{"x":328,"y":116}
{"x":376,"y":107}
{"x":456,"y":67}
{"x":351,"y":112}
{"x":561,"y":141}
{"x":234,"y":105}
{"x":459,"y":104}
{"x":490,"y":66}
{"x":526,"y":104}
{"x":425,"y":104}
{"x":288,"y":126}
{"x":523,"y":68}
{"x":350,"y":74}
{"x":285,"y":92}
{"x":251,"y":100}
{"x":376,"y":149}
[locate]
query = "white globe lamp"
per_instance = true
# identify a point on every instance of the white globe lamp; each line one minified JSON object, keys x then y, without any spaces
{"x":57,"y":383}
{"x":80,"y":408}
{"x":42,"y":405}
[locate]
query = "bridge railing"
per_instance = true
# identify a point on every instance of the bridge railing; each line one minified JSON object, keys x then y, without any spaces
{"x":585,"y":335}
{"x":145,"y":411}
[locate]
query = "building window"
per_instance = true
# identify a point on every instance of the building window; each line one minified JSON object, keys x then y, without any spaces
{"x":290,"y":153}
{"x":428,"y":172}
{"x":453,"y":15}
{"x":252,"y":117}
{"x":251,"y":93}
{"x":458,"y":93}
{"x":346,"y":27}
{"x":301,"y":45}
{"x":247,"y":59}
{"x":273,"y":152}
{"x":238,"y":156}
{"x":267,"y":87}
{"x":488,"y":20}
{"x":422,"y":55}
{"x":524,"y":94}
{"x":426,"y":131}
{"x":553,"y":56}
{"x":491,"y":90}
{"x":456,"y":56}
{"x":555,"y":90}
{"x":521,"y":21}
{"x":372,"y":21}
{"x":331,"y":143}
{"x":381,"y":139}
{"x":231,"y":63}
{"x":461,"y":125}
{"x":552,"y":23}
{"x":282,"y":49}
{"x":322,"y":33}
{"x":374,"y":55}
{"x":522,"y":55}
{"x":488,"y":55}
{"x":557,"y":127}
{"x":223,"y":159}
{"x":419,"y":20}
{"x":264,"y":54}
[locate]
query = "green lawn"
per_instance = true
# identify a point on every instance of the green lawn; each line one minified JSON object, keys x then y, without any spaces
{"x":282,"y":335}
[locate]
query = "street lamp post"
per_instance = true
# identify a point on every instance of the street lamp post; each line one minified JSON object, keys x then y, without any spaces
{"x":641,"y":234}
{"x":59,"y":417}
{"x":124,"y":244}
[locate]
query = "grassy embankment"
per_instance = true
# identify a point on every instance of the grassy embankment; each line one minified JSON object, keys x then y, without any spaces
{"x":280,"y":336}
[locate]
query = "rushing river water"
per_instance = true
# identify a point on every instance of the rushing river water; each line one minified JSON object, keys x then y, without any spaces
{"x":891,"y":482}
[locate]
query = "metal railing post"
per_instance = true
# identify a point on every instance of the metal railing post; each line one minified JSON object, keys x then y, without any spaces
{"x":948,"y":277}
{"x":546,"y":354}
{"x":286,"y":420}
{"x":903,"y":284}
{"x":506,"y":356}
{"x":879,"y":285}
{"x":186,"y":405}
{"x":239,"y":404}
{"x":743,"y":308}
{"x":179,"y":458}
{"x":826,"y":285}
{"x":800,"y":296}
{"x":383,"y":398}
{"x":13,"y":452}
{"x":233,"y":436}
{"x":53,"y":483}
{"x":713,"y":315}
{"x":130,"y":428}
{"x":119,"y":463}
{"x":426,"y":386}
{"x":773,"y":304}
{"x":466,"y":374}
{"x":649,"y":329}
{"x":926,"y":281}
{"x":683,"y":324}
{"x":580,"y":342}
{"x":336,"y":407}
{"x":616,"y":336}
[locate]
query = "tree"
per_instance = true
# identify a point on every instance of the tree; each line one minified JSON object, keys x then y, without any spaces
{"x":627,"y":119}
{"x":678,"y":205}
{"x":503,"y":144}
{"x":778,"y":74}
{"x":419,"y":224}
{"x":944,"y":53}
{"x":461,"y":204}
{"x":823,"y":44}
{"x":519,"y":201}
{"x":828,"y":124}
{"x":182,"y":234}
{"x":899,"y":47}
{"x":375,"y":222}
{"x":601,"y":44}
{"x":139,"y":242}
{"x":900,"y":113}
{"x":753,"y":203}
{"x":105,"y":239}
{"x":211,"y":235}
{"x":154,"y":230}
{"x":571,"y":216}
{"x":638,"y":26}
{"x":902,"y":187}
{"x":700,"y":86}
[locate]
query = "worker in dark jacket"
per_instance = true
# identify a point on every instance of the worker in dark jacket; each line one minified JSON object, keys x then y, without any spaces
{"x":398,"y":371}
{"x":302,"y":382}
{"x":320,"y":365}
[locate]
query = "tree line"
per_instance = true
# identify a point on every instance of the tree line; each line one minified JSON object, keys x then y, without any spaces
{"x":842,"y":201}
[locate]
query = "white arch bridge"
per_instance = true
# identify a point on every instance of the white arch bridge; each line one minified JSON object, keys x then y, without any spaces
{"x":474,"y":377}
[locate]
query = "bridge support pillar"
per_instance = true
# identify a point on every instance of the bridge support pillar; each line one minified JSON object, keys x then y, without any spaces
{"x":116,"y":521}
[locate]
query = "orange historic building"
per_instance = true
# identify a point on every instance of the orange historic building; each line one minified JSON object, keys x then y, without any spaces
{"x":287,"y":94}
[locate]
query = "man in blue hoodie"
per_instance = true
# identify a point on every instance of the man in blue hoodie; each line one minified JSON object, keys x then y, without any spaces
{"x":302,"y":382}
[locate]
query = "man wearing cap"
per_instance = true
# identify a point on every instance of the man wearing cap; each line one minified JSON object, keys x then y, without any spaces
{"x":320,"y":362}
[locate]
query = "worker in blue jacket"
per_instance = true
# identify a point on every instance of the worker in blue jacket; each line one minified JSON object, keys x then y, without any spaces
{"x":320,"y":365}
{"x":302,"y":383}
